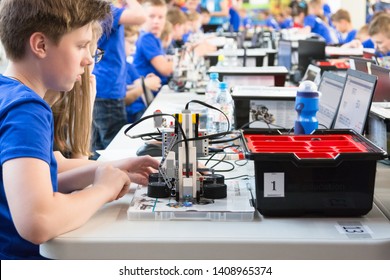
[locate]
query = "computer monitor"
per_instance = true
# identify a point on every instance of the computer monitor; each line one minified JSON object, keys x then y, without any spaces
{"x":382,"y":90}
{"x":309,"y":50}
{"x":331,"y":88}
{"x":355,"y":101}
{"x":284,"y":54}
{"x":313,"y":73}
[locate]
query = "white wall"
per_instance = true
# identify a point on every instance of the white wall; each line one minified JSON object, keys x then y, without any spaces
{"x":357,"y":9}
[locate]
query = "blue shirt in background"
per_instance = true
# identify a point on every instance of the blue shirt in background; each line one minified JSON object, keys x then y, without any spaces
{"x":111,"y":70}
{"x":148,"y":47}
{"x":318,"y":27}
{"x":138,"y":104}
{"x":346,"y":38}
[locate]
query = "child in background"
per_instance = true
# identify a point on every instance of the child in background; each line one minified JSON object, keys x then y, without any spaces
{"x":150,"y":56}
{"x":109,"y":112}
{"x":179,"y":26}
{"x":379,"y":30}
{"x":48,"y":48}
{"x":304,"y":15}
{"x":135,"y":105}
{"x":342,"y":22}
{"x":167,"y":37}
{"x":72,"y":111}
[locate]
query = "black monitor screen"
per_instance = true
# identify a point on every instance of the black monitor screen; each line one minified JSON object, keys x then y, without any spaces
{"x":309,"y":50}
{"x":382,"y":90}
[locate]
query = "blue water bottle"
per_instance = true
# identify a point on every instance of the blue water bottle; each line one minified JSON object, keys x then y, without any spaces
{"x":306,"y":105}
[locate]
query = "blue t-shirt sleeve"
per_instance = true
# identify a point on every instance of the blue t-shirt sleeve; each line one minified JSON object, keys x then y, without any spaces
{"x":310,"y":21}
{"x":26,"y":131}
{"x":151,"y":47}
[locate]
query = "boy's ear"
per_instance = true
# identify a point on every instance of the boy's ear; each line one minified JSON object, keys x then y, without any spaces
{"x":38,"y":44}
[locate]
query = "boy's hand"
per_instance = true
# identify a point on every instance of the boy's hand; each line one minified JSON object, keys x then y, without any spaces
{"x":139,"y":168}
{"x":113,"y":180}
{"x":153,"y":82}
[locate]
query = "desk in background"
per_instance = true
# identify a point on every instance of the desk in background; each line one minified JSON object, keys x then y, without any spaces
{"x":264,"y":76}
{"x":110,"y":235}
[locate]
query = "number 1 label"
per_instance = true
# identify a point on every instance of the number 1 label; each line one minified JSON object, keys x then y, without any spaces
{"x":274,"y":184}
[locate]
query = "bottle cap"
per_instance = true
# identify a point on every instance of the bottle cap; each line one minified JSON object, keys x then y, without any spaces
{"x":214,"y":75}
{"x":223,"y":85}
{"x":307,"y":86}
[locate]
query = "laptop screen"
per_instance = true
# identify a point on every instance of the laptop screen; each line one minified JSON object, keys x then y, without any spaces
{"x":331,"y":88}
{"x":355,"y":101}
{"x":313,"y":73}
{"x":382,"y":90}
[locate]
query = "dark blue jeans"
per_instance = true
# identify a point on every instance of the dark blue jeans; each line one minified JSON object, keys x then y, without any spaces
{"x":109,"y":116}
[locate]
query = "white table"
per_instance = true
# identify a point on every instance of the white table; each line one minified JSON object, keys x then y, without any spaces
{"x":110,"y":235}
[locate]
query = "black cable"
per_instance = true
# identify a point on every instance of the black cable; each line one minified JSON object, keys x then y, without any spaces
{"x":211,"y":107}
{"x":226,"y":170}
{"x":241,"y":176}
{"x":148,"y":134}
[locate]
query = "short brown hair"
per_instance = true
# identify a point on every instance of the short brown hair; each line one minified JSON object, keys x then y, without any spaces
{"x":154,"y":3}
{"x":380,"y":24}
{"x":341,"y":14}
{"x":176,"y":16}
{"x":19,"y":19}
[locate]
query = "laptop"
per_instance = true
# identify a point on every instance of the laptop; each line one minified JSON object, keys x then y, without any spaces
{"x":313,"y":73}
{"x":382,"y":90}
{"x":361,"y":64}
{"x":355,"y":101}
{"x":331,"y":88}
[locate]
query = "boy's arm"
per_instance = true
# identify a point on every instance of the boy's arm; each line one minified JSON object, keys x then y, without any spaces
{"x":39,"y":213}
{"x":133,"y":14}
{"x":76,"y":174}
{"x":162,"y":65}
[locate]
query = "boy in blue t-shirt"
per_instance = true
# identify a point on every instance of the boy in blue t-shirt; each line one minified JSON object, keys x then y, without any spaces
{"x":35,"y":206}
{"x":51,"y":53}
{"x":150,"y":56}
{"x":342,"y":22}
{"x":379,"y":31}
{"x":135,"y":105}
{"x":304,"y":15}
{"x":109,"y":114}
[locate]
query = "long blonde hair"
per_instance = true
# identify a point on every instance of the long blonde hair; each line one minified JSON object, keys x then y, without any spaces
{"x":72,"y":112}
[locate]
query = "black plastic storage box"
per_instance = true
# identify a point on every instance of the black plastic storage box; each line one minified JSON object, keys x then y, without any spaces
{"x":327,"y":173}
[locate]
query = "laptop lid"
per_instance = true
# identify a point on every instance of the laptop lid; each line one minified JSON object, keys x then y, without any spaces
{"x":313,"y":73}
{"x":382,"y":90}
{"x":361,"y":64}
{"x":331,"y":89}
{"x":355,"y":101}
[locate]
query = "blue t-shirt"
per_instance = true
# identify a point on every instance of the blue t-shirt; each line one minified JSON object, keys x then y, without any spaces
{"x":214,"y":6}
{"x":235,"y":20}
{"x":138,"y":105}
{"x":26,"y":131}
{"x":148,"y":47}
{"x":318,"y":27}
{"x":346,"y":38}
{"x":111,"y":70}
